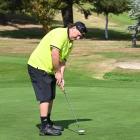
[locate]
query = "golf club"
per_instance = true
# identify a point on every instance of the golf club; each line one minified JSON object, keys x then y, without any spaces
{"x":80,"y":131}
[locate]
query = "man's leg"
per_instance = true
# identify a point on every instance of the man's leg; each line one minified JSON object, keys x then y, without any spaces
{"x":57,"y":127}
{"x":46,"y":128}
{"x":43,"y":90}
{"x":49,"y":111}
{"x":45,"y":112}
{"x":44,"y":109}
{"x":50,"y":107}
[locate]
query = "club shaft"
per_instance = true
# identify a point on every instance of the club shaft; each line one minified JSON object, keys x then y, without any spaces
{"x":71,"y":109}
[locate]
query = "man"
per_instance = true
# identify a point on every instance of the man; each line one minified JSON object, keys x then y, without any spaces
{"x":46,"y":69}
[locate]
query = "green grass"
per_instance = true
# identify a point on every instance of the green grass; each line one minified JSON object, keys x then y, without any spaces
{"x":120,"y":55}
{"x":107,"y":109}
{"x":122,"y":19}
{"x":23,"y":33}
{"x":104,"y":112}
{"x":123,"y":75}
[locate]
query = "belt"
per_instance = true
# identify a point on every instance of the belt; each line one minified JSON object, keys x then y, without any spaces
{"x":43,"y":71}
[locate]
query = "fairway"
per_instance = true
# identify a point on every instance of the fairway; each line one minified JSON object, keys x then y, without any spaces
{"x":105,"y":109}
{"x":104,"y":96}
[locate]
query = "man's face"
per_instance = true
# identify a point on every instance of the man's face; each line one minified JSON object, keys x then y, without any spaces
{"x":74,"y":34}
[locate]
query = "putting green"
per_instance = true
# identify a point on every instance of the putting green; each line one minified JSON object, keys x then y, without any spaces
{"x":104,"y":113}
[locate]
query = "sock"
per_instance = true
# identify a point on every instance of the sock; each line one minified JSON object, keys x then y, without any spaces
{"x":48,"y":118}
{"x":44,"y":121}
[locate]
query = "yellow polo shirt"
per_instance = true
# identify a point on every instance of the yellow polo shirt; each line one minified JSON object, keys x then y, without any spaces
{"x":41,"y":57}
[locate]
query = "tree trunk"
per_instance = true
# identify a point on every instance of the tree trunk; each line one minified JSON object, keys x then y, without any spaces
{"x":67,"y":13}
{"x":46,"y":28}
{"x":106,"y":27}
{"x":134,"y":41}
{"x":134,"y":38}
{"x":3,"y":19}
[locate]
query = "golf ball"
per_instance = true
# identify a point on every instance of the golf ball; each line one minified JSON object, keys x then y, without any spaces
{"x":81,"y":132}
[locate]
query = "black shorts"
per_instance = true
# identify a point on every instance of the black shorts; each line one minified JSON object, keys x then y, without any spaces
{"x":43,"y":83}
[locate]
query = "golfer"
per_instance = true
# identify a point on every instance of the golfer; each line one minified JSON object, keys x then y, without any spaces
{"x":46,"y":69}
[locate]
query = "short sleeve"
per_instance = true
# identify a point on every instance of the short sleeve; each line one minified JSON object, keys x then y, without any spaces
{"x":57,"y":40}
{"x":66,"y":57}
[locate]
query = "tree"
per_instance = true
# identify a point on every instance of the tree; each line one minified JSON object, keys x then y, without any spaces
{"x":67,"y":13}
{"x":67,"y":10}
{"x":43,"y":13}
{"x":110,"y":6}
{"x":9,"y":6}
{"x":45,"y":16}
{"x":15,"y":5}
{"x":3,"y":5}
{"x":85,"y":7}
{"x":134,"y":14}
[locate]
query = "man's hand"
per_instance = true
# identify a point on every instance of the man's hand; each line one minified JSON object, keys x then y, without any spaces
{"x":59,"y":80}
{"x":58,"y":67}
{"x":58,"y":77}
{"x":62,"y":68}
{"x":62,"y":85}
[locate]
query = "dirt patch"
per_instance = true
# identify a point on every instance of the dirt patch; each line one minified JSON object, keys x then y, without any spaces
{"x":129,"y":65}
{"x":100,"y":68}
{"x":103,"y":67}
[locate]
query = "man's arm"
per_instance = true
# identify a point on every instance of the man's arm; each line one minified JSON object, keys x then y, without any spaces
{"x":56,"y":59}
{"x":63,"y":65}
{"x":59,"y":67}
{"x":56,"y":65}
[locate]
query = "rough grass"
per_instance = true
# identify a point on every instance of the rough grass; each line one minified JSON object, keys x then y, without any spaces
{"x":93,"y":57}
{"x":123,"y":75}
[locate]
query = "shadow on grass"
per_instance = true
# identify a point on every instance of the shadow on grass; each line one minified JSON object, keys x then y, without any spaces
{"x":15,"y":20}
{"x":37,"y":33}
{"x":137,"y":46}
{"x":33,"y":32}
{"x":65,"y":123}
{"x":98,"y":34}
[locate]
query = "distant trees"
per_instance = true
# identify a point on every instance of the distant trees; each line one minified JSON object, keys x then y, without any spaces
{"x":9,"y":6}
{"x":135,"y":10}
{"x":67,"y":10}
{"x":135,"y":14}
{"x":51,"y":6}
{"x":110,"y":6}
{"x":3,"y":7}
{"x":43,"y":12}
{"x":85,"y":7}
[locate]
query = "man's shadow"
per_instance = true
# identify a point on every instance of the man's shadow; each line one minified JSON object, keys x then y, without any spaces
{"x":66,"y":123}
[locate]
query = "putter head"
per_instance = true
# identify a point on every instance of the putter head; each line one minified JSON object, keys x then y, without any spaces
{"x":81,"y":132}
